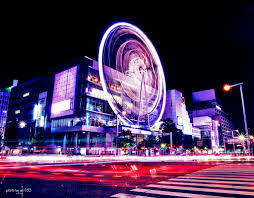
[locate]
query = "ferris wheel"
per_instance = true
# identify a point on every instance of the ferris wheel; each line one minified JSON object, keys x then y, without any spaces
{"x":132,"y":76}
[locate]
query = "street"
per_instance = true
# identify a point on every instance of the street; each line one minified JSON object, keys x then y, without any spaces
{"x":230,"y":180}
{"x":130,"y":178}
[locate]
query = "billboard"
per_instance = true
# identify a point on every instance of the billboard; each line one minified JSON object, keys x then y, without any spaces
{"x":64,"y":93}
{"x":39,"y":110}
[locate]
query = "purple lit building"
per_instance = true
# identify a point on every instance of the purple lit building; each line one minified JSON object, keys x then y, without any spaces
{"x":80,"y":114}
{"x":176,"y":110}
{"x":205,"y":103}
{"x":4,"y":102}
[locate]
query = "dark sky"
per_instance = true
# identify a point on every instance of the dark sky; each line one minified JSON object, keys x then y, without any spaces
{"x":201,"y":46}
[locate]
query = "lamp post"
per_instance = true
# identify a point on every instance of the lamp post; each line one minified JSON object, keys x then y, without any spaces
{"x":227,"y":88}
{"x":117,"y":128}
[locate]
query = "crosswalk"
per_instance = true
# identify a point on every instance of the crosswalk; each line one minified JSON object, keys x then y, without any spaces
{"x":226,"y":180}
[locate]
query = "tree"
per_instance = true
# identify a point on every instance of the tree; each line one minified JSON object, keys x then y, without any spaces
{"x":125,"y":139}
{"x":167,"y":127}
{"x":150,"y":142}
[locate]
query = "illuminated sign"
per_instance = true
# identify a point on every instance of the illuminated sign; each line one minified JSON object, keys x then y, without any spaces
{"x":39,"y":110}
{"x":61,"y":106}
{"x":36,"y":111}
{"x":64,"y":93}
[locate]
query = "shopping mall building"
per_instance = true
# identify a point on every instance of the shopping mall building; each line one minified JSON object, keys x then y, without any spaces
{"x":80,"y":113}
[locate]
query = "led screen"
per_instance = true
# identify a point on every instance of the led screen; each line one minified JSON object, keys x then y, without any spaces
{"x":64,"y":93}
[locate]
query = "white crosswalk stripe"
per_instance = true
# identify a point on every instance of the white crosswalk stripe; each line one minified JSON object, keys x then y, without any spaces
{"x":231,"y":180}
{"x":224,"y":175}
{"x":213,"y":181}
{"x":176,"y":194}
{"x":209,"y":190}
{"x":220,"y":178}
{"x":124,"y":195}
{"x":205,"y":185}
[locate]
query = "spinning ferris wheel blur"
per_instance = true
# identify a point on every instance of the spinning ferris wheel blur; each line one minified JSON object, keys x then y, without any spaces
{"x":132,"y":75}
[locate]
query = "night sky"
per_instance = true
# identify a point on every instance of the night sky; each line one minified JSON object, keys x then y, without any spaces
{"x":200,"y":46}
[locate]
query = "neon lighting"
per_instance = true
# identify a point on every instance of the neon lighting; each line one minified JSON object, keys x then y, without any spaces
{"x":156,"y":109}
{"x":64,"y":93}
{"x":41,"y":122}
{"x":36,"y":111}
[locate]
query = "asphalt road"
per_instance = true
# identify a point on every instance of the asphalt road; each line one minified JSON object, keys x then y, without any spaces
{"x":121,"y":179}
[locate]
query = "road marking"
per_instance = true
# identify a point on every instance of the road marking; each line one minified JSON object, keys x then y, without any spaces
{"x":202,"y":189}
{"x":228,"y":171}
{"x":176,"y":194}
{"x":210,"y":181}
{"x":228,"y":180}
{"x":222,"y":175}
{"x":198,"y":177}
{"x":207,"y":185}
{"x":123,"y":195}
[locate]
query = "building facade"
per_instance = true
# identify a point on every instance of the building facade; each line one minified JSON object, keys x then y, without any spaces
{"x":81,"y":117}
{"x":80,"y":112}
{"x":4,"y":102}
{"x":205,"y":103}
{"x":209,"y":132}
{"x":176,"y":110}
{"x":26,"y":107}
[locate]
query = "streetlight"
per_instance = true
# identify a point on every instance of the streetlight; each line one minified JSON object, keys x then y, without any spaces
{"x":22,"y":124}
{"x":227,"y":88}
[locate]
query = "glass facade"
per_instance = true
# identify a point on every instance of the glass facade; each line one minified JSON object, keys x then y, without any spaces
{"x":64,"y":93}
{"x":98,"y":111}
{"x":92,"y":108}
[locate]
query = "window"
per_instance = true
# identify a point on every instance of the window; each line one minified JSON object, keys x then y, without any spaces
{"x":26,"y":94}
